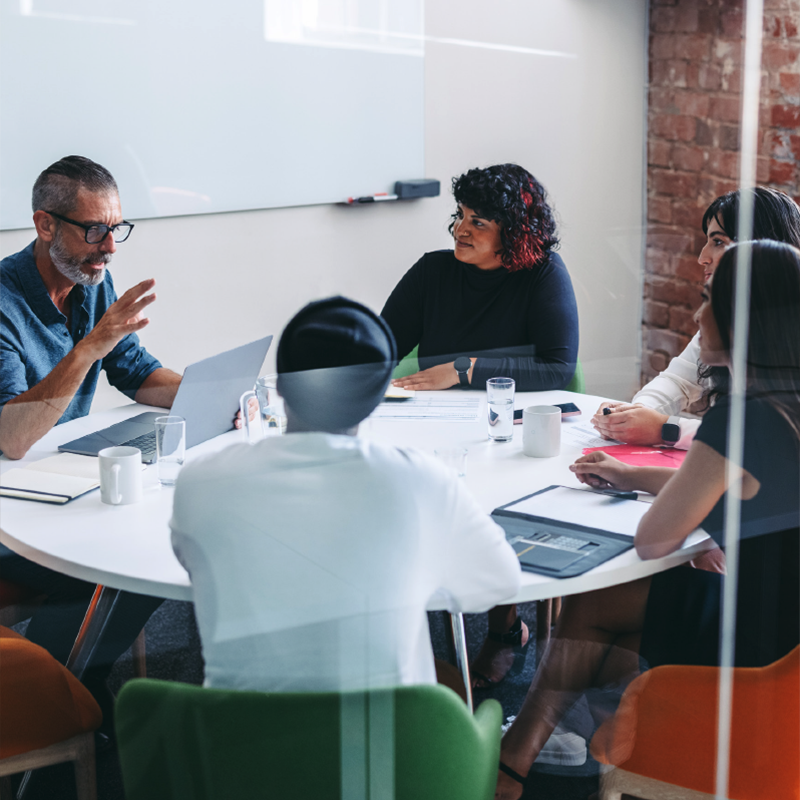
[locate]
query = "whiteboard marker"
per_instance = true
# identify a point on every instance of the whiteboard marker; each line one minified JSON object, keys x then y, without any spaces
{"x":372,"y":198}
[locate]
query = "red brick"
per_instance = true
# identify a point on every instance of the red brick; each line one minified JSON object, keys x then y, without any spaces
{"x":658,"y":153}
{"x":772,"y":25}
{"x":782,"y":171}
{"x":776,"y":55}
{"x":694,"y":47}
{"x":656,"y":314}
{"x":731,"y":80}
{"x":731,"y":22}
{"x":794,"y":143}
{"x":660,"y":99}
{"x":667,"y":239}
{"x":659,"y":361}
{"x":673,"y":184}
{"x":686,"y":18}
{"x":658,"y":262}
{"x":687,"y":214}
{"x":723,"y":163}
{"x":729,"y":137}
{"x":694,"y":104}
{"x":659,"y":209}
{"x":688,"y":159}
{"x":682,"y":320}
{"x":674,"y":127}
{"x":662,"y":20}
{"x":704,"y":134}
{"x":778,"y":145}
{"x":669,"y":72}
{"x":688,"y":269}
{"x":709,"y":77}
{"x":728,"y":52}
{"x":667,"y":341}
{"x":708,"y":20}
{"x":790,"y":82}
{"x":786,"y":116}
{"x":762,"y":169}
{"x":791,"y":22}
{"x":663,"y":46}
{"x":725,"y":109}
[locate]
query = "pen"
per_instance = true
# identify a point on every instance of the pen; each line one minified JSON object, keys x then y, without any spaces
{"x":606,"y":411}
{"x":619,"y":495}
{"x":372,"y":198}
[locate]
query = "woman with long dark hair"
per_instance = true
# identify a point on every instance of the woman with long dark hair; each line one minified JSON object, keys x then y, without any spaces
{"x":500,"y":303}
{"x":686,"y":383}
{"x":674,"y":616}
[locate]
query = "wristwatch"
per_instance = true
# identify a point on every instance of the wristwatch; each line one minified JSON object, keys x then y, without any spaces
{"x":671,"y":431}
{"x":462,"y":365}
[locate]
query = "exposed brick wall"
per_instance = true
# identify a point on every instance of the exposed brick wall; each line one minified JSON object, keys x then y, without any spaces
{"x":696,"y":53}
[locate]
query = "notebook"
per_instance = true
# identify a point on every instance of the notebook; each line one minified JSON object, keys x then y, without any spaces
{"x":207,"y":399}
{"x":57,"y":479}
{"x":547,"y":532}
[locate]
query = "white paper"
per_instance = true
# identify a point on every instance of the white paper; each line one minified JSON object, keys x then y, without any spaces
{"x":440,"y":409}
{"x":583,"y":434}
{"x":585,"y":507}
{"x":49,"y":483}
{"x":69,"y":464}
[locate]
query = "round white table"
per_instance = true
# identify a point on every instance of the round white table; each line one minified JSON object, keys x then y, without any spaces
{"x":128,"y":547}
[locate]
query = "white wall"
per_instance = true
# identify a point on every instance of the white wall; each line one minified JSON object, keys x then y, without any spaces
{"x":577,"y":123}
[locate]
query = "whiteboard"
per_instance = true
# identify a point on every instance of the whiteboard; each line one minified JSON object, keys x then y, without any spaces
{"x":198,"y":106}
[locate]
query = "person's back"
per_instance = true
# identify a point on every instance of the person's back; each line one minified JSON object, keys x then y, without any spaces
{"x":313,"y":556}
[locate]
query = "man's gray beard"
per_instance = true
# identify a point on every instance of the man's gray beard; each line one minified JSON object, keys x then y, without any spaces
{"x":70,"y":266}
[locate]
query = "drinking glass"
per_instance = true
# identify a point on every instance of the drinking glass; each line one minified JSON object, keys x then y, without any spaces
{"x":170,"y":448}
{"x":500,"y":397}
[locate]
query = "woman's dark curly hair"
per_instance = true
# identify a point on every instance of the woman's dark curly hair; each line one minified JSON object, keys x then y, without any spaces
{"x":512,"y":197}
{"x":775,"y":217}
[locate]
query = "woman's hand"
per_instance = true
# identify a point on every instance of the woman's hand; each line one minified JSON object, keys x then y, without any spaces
{"x":601,"y":471}
{"x":632,"y":424}
{"x":442,"y":376}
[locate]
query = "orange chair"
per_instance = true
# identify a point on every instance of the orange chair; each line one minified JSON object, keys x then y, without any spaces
{"x":48,"y":716}
{"x":664,"y":734}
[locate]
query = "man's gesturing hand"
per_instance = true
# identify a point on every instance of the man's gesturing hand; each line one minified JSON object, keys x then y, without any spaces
{"x":121,"y":318}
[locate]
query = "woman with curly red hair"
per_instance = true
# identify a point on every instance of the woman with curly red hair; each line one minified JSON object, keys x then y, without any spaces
{"x":500,"y":303}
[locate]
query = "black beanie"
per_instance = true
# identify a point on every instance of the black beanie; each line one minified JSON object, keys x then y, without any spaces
{"x":335,"y":360}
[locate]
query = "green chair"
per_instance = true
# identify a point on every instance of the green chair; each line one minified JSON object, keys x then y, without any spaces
{"x":408,"y":365}
{"x":183,"y":742}
{"x":578,"y":383}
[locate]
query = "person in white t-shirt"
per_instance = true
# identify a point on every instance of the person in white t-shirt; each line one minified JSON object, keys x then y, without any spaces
{"x":655,"y":416}
{"x":313,"y":555}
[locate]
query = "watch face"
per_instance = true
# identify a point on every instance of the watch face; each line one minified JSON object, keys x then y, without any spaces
{"x":670,"y":432}
{"x":462,"y":364}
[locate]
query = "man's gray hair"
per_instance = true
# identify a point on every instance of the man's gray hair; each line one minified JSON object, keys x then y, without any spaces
{"x":56,"y":189}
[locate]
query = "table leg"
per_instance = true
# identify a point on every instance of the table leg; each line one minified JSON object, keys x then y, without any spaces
{"x":94,"y":624}
{"x":462,"y":656}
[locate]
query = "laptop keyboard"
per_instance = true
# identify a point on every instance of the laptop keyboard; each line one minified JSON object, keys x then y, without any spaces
{"x":146,"y":443}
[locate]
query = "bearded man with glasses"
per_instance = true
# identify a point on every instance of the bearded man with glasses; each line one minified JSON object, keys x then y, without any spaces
{"x":60,"y":319}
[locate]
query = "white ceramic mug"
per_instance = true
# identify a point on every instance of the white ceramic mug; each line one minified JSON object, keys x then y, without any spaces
{"x":541,"y":431}
{"x":120,"y":475}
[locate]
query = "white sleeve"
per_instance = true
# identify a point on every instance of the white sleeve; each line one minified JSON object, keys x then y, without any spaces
{"x":688,"y":430}
{"x":479,"y":566}
{"x":677,"y":387}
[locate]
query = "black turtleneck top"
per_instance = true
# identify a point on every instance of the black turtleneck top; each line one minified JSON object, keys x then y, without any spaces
{"x":521,"y":325}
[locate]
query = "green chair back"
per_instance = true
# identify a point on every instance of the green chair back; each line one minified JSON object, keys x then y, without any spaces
{"x":407,"y":366}
{"x":577,"y":384}
{"x":183,"y":742}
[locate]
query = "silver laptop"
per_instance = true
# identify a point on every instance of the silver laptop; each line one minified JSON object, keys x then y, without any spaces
{"x":207,"y":399}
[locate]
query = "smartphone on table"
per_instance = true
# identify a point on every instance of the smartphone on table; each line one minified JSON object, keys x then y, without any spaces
{"x":567,"y":410}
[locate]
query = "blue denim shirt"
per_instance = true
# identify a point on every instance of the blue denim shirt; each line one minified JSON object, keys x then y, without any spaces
{"x":34,"y":336}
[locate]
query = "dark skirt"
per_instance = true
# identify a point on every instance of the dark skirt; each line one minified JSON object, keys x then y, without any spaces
{"x":684,"y":608}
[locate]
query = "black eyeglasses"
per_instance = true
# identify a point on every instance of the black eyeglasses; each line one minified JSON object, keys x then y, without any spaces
{"x":94,"y":234}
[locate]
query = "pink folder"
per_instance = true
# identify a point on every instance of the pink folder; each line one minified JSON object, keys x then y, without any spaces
{"x":642,"y":455}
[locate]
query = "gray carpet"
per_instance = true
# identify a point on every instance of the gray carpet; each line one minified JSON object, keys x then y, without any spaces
{"x":173,"y":653}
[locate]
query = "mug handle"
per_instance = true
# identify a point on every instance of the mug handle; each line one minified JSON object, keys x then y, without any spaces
{"x":116,"y":496}
{"x":243,"y":409}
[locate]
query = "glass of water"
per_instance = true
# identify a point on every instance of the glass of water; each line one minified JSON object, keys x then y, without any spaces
{"x":273,"y":416}
{"x":500,"y":396}
{"x":170,"y":447}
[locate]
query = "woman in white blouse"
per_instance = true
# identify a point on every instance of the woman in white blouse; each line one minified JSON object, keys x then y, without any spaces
{"x":652,"y":416}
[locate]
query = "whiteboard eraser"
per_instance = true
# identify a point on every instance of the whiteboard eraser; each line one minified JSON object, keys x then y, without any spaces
{"x":423,"y":187}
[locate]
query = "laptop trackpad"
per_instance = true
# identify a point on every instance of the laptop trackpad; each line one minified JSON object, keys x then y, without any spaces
{"x":536,"y":555}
